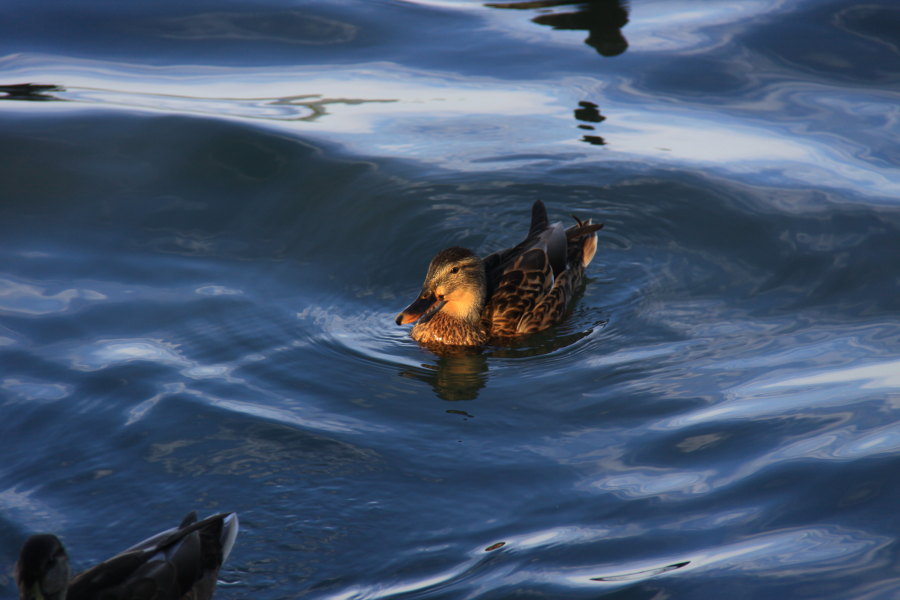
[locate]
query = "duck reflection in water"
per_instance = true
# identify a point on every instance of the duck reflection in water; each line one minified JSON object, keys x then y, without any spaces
{"x":467,"y":301}
{"x":602,"y":19}
{"x":588,"y":113}
{"x":458,"y":374}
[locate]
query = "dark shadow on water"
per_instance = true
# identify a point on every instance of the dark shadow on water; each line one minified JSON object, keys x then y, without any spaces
{"x":588,"y":112}
{"x":30,"y":91}
{"x":602,"y":19}
{"x":637,"y":575}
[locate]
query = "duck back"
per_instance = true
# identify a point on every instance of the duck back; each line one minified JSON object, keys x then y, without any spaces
{"x":180,"y":563}
{"x":531,"y":284}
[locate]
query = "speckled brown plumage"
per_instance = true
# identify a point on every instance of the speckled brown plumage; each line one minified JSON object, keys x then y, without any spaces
{"x":516,"y":291}
{"x":178,"y":564}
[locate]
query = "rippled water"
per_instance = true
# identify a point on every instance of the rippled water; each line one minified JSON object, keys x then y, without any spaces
{"x":212,"y":211}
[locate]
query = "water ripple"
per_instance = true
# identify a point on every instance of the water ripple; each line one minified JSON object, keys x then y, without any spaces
{"x":883,"y":375}
{"x":33,"y":390}
{"x":31,"y":299}
{"x":213,"y":216}
{"x":103,"y":354}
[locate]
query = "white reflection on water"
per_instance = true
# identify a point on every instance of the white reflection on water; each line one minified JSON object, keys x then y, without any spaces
{"x":654,"y":26}
{"x":24,"y":508}
{"x":103,"y":354}
{"x":640,"y":483}
{"x":814,"y":548}
{"x":209,"y":90}
{"x":615,"y":473}
{"x":680,"y":26}
{"x":30,"y":389}
{"x":471,"y":123}
{"x":846,"y":443}
{"x":780,"y":553}
{"x":217,"y":290}
{"x":695,"y":138}
{"x":319,"y":420}
{"x":773,"y":150}
{"x":774,"y":553}
{"x":884,"y":375}
{"x":31,"y":299}
{"x":140,"y":411}
{"x":797,"y":380}
{"x":844,"y":422}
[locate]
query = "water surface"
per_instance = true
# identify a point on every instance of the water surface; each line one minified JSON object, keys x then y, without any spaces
{"x":212,"y":212}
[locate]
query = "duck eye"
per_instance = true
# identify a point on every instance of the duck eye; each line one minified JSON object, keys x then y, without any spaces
{"x":454,"y":270}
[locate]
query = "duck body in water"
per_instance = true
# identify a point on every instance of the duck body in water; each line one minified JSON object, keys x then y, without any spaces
{"x":469,"y":301}
{"x":178,"y":564}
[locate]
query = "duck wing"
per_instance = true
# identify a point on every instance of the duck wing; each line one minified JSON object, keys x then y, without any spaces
{"x":180,"y":563}
{"x":541,"y":234}
{"x":519,"y":277}
{"x":531,"y":284}
{"x":549,"y":309}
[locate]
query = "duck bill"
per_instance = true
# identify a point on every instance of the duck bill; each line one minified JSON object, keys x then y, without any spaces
{"x":423,"y":308}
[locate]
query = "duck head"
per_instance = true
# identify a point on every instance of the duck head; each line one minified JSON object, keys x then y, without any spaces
{"x":455,"y":286}
{"x":42,"y":572}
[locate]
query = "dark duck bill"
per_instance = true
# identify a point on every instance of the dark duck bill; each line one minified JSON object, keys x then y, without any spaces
{"x":422,"y":309}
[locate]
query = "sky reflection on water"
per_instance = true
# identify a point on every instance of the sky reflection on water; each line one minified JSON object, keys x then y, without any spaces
{"x":761,"y":131}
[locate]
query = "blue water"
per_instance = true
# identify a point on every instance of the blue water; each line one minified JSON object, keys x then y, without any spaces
{"x":212,"y":212}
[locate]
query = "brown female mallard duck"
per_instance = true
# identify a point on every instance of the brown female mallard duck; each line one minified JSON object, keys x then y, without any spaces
{"x":180,"y":563}
{"x":467,"y":301}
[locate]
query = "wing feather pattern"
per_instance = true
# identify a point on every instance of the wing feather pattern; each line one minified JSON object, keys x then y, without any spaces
{"x":531,"y":285}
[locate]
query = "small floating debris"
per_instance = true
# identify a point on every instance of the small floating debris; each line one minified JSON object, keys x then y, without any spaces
{"x":642,"y":574}
{"x":460,"y":412}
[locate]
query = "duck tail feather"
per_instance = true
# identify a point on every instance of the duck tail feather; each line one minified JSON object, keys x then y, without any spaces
{"x":539,"y":220}
{"x":582,"y":229}
{"x":188,"y":520}
{"x":588,"y":249}
{"x":584,"y":234}
{"x":230,"y":529}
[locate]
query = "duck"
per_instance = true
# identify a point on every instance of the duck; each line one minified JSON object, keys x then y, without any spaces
{"x":180,"y":563}
{"x":471,"y":301}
